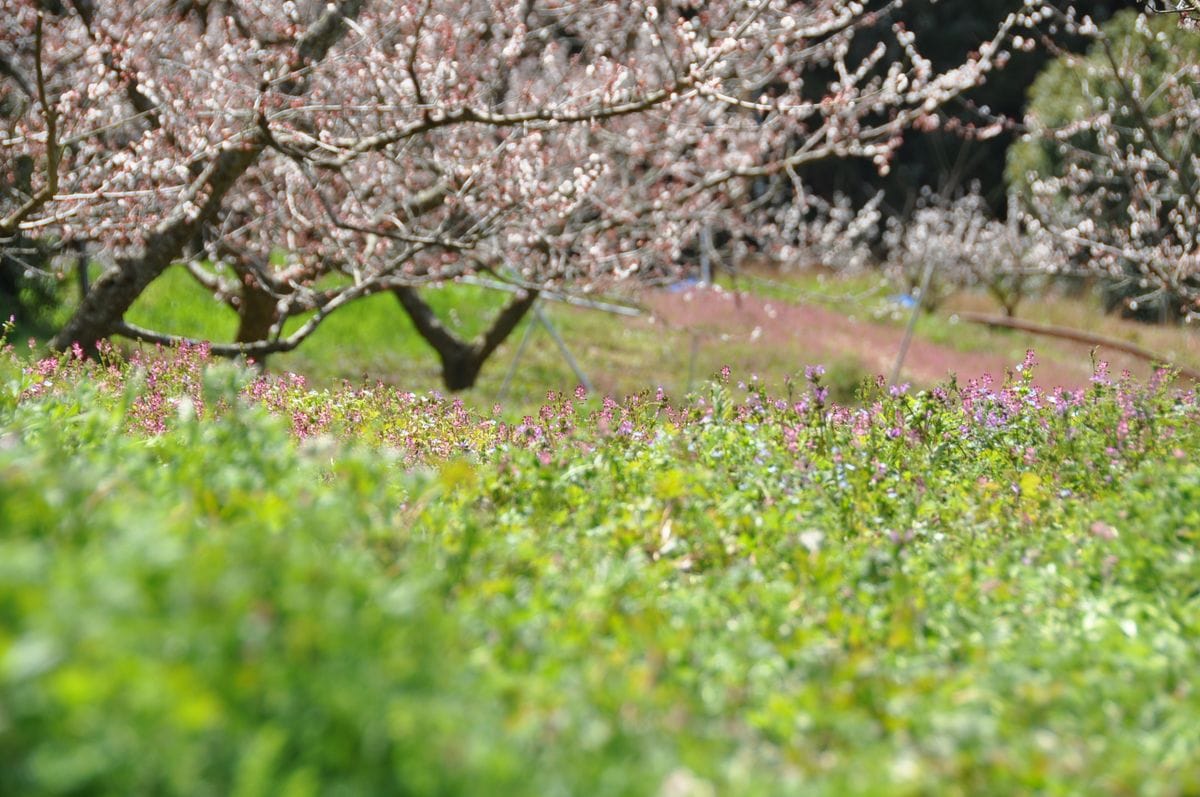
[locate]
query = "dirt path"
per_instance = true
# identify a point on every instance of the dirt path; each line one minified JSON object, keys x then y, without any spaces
{"x":821,"y":335}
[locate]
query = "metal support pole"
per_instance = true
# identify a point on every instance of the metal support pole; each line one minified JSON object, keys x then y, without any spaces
{"x":706,"y":248}
{"x":539,"y":317}
{"x":695,"y":350}
{"x":512,"y":369}
{"x":912,"y":322}
{"x":562,"y":347}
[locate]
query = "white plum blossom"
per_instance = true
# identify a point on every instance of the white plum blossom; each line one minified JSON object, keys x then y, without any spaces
{"x":322,"y":152}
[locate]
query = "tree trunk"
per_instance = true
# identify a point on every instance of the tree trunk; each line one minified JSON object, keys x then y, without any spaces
{"x":462,"y":361}
{"x":460,"y":369}
{"x":115,"y":291}
{"x":105,"y":305}
{"x":257,"y":312}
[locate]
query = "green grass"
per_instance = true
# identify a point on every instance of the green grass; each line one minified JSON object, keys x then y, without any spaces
{"x":956,"y":593}
{"x":175,"y":304}
{"x":1085,"y":312}
{"x":867,"y":294}
{"x":374,"y":332}
{"x":374,"y":339}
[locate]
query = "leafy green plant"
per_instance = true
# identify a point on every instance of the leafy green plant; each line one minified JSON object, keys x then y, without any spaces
{"x":979,"y":589}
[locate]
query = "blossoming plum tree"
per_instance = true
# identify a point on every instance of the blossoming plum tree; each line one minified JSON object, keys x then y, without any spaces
{"x":1110,"y":166}
{"x":299,"y":156}
{"x":963,"y":246}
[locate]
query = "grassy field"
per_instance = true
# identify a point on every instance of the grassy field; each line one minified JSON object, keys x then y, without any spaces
{"x":375,"y":341}
{"x":213,"y":583}
{"x":873,"y":297}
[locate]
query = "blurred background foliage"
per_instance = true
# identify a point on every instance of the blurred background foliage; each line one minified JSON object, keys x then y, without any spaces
{"x":1148,"y":50}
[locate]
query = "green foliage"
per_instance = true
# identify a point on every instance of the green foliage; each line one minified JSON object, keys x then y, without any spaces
{"x":977,"y":590}
{"x":1074,"y":88}
{"x":31,"y":293}
{"x":1111,"y":154}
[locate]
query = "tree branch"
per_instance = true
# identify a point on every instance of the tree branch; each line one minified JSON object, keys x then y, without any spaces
{"x":8,"y":225}
{"x":1079,"y":336}
{"x":101,"y":311}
